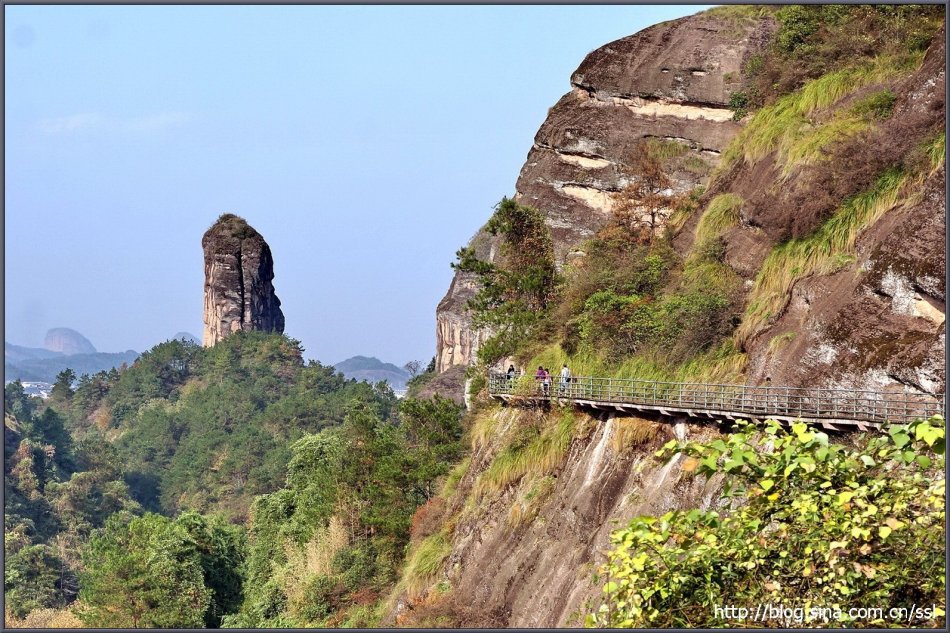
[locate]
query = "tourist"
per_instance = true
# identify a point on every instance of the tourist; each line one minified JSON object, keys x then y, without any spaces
{"x":565,"y":378}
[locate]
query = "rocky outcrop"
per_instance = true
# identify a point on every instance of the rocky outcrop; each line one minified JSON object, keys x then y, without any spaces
{"x":238,"y":293}
{"x":67,"y":341}
{"x":671,"y":82}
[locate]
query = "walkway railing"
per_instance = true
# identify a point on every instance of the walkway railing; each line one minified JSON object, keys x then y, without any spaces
{"x":843,"y":405}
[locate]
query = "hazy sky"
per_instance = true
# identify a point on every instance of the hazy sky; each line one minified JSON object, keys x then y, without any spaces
{"x":366,"y":144}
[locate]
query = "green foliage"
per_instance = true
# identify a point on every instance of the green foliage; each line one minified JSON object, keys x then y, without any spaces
{"x":341,"y":524}
{"x":32,"y":579}
{"x":514,"y":295}
{"x":819,"y":523}
{"x":63,"y":387}
{"x":144,"y":572}
{"x":739,"y":103}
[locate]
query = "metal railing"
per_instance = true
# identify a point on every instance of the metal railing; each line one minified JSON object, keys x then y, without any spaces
{"x":724,"y":399}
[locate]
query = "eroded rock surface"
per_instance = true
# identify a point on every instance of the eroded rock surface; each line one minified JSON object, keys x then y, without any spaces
{"x":672,"y":82}
{"x":238,"y":292}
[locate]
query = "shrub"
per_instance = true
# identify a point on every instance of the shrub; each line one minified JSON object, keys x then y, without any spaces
{"x":819,"y":524}
{"x":428,"y":518}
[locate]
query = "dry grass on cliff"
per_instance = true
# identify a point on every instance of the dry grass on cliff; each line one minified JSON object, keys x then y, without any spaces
{"x":630,"y":432}
{"x":789,"y":126}
{"x":822,"y":252}
{"x":539,"y":453}
{"x":424,"y":563}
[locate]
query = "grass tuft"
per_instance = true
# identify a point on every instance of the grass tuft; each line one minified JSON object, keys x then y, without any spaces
{"x":538,"y":456}
{"x":424,"y":563}
{"x":937,"y":151}
{"x":721,"y":214}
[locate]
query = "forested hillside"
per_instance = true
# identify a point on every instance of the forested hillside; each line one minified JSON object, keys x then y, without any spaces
{"x":158,"y":467}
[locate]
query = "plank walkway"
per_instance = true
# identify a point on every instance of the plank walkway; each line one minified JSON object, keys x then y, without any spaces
{"x":829,"y":407}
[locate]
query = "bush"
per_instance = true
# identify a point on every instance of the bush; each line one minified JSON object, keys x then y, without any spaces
{"x":819,"y":523}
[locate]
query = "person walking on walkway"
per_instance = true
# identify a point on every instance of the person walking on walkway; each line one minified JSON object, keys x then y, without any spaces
{"x":539,"y":378}
{"x":546,"y":382}
{"x":565,"y":378}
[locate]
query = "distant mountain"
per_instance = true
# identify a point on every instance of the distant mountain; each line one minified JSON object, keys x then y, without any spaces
{"x":40,"y":365}
{"x":187,"y":336}
{"x":67,"y":341}
{"x":12,"y":372}
{"x":16,"y":353}
{"x":372,"y":369}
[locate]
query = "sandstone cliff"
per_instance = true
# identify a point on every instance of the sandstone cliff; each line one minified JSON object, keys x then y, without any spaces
{"x":238,"y":291}
{"x":671,"y":81}
{"x":524,"y":556}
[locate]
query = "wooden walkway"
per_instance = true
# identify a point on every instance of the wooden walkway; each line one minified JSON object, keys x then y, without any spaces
{"x":831,"y":408}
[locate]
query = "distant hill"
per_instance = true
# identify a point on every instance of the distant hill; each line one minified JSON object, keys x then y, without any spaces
{"x":187,"y":336}
{"x":67,"y":341}
{"x":16,"y":353}
{"x":372,"y":369}
{"x":35,"y":364}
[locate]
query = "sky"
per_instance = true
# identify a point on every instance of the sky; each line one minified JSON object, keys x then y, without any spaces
{"x":365,"y":143}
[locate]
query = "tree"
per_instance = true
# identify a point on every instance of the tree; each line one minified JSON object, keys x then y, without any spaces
{"x":515,"y":294}
{"x":143,"y":572}
{"x":649,"y":194}
{"x":413,"y":368}
{"x":63,"y":387}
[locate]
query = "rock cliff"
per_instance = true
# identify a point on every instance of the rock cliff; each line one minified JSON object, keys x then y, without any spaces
{"x":238,"y":291}
{"x":671,"y":82}
{"x":524,"y":557}
{"x":67,"y":341}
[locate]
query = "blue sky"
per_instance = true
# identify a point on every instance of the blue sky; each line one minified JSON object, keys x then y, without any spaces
{"x":366,"y":143}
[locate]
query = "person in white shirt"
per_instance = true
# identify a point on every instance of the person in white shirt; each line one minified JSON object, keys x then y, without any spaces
{"x":565,"y":378}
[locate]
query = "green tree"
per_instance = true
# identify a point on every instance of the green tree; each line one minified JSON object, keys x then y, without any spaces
{"x":143,"y":572}
{"x":515,"y":294}
{"x":221,"y":555}
{"x":63,"y":387}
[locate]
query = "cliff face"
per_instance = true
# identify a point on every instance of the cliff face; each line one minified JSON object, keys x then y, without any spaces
{"x":524,"y":556}
{"x":670,"y":82}
{"x":238,"y":293}
{"x":874,"y":320}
